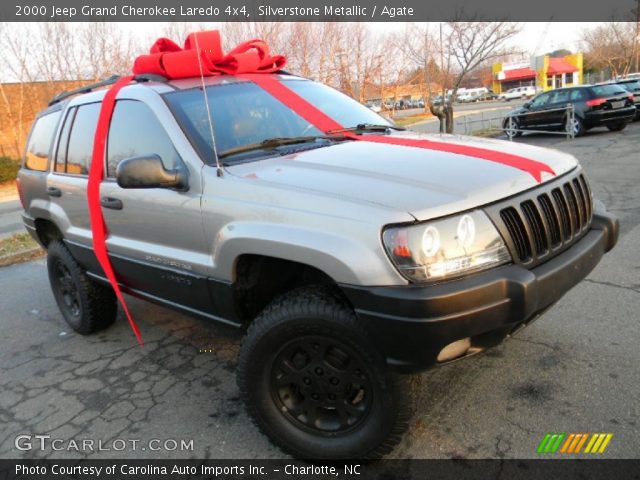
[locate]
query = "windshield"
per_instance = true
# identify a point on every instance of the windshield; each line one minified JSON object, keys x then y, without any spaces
{"x":245,"y":114}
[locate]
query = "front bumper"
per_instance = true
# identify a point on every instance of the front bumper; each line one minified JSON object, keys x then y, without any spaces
{"x":412,"y":324}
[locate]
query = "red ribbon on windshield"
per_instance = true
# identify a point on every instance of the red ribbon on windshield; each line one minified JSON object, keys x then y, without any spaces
{"x":251,"y":60}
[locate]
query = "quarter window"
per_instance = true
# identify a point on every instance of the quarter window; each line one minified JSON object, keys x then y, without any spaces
{"x":39,"y":144}
{"x":136,"y":131}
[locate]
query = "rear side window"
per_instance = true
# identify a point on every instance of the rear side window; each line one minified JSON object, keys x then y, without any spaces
{"x":80,"y":146}
{"x":39,"y":143}
{"x":136,"y":131}
{"x":607,"y":90}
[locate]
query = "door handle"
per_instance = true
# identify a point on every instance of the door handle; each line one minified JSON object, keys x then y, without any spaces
{"x":54,"y":192}
{"x":112,"y":203}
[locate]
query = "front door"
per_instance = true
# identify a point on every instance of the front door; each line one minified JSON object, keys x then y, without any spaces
{"x":156,"y":239}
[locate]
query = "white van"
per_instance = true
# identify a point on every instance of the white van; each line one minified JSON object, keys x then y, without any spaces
{"x":473,"y":95}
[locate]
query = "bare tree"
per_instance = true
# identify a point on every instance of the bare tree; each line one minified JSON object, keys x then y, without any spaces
{"x":468,"y":45}
{"x":612,"y":46}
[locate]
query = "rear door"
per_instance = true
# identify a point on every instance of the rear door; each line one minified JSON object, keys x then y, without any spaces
{"x":67,"y":183}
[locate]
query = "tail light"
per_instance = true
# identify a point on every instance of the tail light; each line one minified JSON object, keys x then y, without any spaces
{"x":19,"y":187}
{"x":596,"y":101}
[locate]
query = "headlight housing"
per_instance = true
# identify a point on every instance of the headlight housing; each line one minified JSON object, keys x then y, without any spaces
{"x":446,"y":248}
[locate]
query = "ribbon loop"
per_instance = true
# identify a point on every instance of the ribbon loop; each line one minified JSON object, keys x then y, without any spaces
{"x":168,"y":59}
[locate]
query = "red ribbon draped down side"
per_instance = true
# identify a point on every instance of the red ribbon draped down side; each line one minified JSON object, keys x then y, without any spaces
{"x":96,"y":174}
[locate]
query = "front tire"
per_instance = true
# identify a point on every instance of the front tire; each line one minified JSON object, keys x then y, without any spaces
{"x":577,"y":127}
{"x":511,"y":131}
{"x":86,"y":305}
{"x":314,"y":384}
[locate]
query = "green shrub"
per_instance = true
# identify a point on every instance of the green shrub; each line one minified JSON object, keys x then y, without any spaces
{"x":8,"y":169}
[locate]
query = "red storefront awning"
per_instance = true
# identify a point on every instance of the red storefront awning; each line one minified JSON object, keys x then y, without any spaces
{"x":558,"y":66}
{"x":519,"y":74}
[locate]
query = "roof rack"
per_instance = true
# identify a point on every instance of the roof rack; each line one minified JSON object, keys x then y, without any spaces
{"x":103,"y":83}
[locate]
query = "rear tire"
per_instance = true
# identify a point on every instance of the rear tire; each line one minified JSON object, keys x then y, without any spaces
{"x":85,"y":305}
{"x":616,"y":127}
{"x":314,"y":384}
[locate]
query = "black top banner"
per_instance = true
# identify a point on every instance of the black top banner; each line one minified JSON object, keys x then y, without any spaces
{"x":317,"y":11}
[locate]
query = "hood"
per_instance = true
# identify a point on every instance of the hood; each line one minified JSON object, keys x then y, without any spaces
{"x":425,"y":183}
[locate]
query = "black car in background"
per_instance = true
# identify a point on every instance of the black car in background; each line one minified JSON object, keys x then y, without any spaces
{"x":608,"y":105}
{"x":632,"y":85}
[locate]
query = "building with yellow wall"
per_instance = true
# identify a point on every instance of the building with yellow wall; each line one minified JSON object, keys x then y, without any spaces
{"x":544,"y":72}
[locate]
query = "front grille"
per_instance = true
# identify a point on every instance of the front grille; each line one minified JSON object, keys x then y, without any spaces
{"x":542,"y":222}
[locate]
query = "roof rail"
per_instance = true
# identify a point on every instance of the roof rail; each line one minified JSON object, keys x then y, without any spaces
{"x":107,"y":81}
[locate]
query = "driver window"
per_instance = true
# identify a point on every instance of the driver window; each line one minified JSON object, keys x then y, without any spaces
{"x":136,"y":131}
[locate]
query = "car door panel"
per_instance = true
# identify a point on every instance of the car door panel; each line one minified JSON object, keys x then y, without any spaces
{"x":156,"y":239}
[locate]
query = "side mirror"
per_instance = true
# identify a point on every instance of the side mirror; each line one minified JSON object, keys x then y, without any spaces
{"x":526,"y":105}
{"x":148,"y":171}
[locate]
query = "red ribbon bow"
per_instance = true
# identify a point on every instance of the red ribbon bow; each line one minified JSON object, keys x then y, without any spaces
{"x":166,"y":58}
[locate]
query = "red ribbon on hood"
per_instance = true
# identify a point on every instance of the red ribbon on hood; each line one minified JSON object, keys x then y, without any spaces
{"x":202,"y":54}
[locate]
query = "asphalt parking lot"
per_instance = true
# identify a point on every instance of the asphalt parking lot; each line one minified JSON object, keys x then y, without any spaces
{"x":574,"y":370}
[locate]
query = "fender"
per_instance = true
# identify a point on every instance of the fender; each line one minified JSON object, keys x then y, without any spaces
{"x":342,"y":258}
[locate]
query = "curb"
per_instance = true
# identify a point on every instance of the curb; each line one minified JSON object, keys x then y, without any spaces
{"x":21,"y":256}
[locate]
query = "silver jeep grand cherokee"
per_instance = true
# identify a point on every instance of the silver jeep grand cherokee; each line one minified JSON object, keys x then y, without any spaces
{"x":345,"y":261}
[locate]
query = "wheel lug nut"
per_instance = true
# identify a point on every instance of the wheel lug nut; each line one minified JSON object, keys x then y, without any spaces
{"x":334,"y":381}
{"x":307,"y":381}
{"x":315,"y":396}
{"x":319,"y":371}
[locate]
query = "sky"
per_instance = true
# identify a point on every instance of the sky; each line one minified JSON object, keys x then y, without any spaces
{"x":543,"y":36}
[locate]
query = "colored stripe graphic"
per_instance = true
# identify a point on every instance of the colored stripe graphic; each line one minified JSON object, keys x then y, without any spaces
{"x":572,"y":443}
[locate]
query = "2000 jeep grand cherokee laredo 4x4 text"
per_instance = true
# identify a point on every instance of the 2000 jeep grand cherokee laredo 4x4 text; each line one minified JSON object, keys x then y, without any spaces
{"x":346,"y":261}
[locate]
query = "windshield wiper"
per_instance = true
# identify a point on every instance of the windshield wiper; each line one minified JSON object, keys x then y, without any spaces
{"x":366,"y":127}
{"x":271,"y":143}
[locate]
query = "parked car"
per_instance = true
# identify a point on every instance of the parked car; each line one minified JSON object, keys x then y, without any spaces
{"x":346,"y":255}
{"x":518,"y":92}
{"x":633,"y":87}
{"x":609,"y":106}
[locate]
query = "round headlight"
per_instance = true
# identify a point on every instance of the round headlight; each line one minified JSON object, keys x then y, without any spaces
{"x":466,"y":233}
{"x":430,"y":241}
